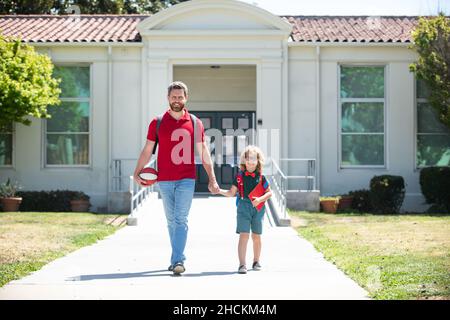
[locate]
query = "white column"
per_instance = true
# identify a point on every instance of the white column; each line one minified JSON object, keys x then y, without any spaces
{"x":271,"y":105}
{"x":157,"y":83}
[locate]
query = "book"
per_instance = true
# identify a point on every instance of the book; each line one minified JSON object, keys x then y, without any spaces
{"x":257,"y":192}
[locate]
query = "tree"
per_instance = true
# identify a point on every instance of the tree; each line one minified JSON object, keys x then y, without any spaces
{"x":146,"y":6}
{"x":85,"y":6}
{"x":90,"y":6}
{"x":432,"y":42}
{"x":25,"y":6}
{"x":26,"y":83}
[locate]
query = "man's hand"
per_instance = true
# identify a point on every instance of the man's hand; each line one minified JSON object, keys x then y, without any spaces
{"x":213,"y":187}
{"x":139,"y":181}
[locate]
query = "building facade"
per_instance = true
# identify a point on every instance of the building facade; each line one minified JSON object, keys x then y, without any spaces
{"x":334,"y":89}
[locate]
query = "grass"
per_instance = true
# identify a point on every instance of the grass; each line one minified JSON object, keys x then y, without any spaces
{"x":29,"y":240}
{"x":403,"y":256}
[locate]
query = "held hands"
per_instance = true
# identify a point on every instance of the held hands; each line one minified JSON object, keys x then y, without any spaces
{"x":213,"y":187}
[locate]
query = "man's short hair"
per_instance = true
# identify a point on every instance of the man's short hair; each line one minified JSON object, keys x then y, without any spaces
{"x":177,"y":85}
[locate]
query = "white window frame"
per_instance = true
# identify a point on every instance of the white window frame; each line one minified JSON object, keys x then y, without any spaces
{"x":13,"y":151}
{"x":44,"y":125}
{"x":418,"y":100}
{"x":356,"y":100}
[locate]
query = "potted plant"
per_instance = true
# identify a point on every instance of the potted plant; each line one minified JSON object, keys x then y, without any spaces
{"x":345,"y":202}
{"x":8,"y":197}
{"x":80,"y":202}
{"x":329,"y":204}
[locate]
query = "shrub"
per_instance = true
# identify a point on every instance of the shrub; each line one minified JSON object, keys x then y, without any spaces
{"x":387,"y":193}
{"x":79,"y":195}
{"x":361,"y":200}
{"x":435,"y":186}
{"x":48,"y":201}
{"x":9,"y":189}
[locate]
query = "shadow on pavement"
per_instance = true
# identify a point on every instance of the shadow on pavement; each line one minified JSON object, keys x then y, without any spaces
{"x":154,"y":273}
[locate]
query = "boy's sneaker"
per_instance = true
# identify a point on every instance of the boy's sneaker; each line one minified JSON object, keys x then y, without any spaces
{"x":170,"y":268}
{"x":242,"y":269}
{"x":256,"y":266}
{"x":178,"y":268}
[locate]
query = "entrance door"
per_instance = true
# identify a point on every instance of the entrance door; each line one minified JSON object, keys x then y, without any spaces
{"x":225,"y":153}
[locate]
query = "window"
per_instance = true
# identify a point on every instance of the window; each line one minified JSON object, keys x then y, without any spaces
{"x":362,"y":115}
{"x":68,"y":130}
{"x":433,"y":137}
{"x":6,"y":145}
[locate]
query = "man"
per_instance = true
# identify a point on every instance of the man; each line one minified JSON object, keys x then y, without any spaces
{"x":176,"y":167}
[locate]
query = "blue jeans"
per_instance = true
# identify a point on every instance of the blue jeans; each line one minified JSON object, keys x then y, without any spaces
{"x":177,"y":199}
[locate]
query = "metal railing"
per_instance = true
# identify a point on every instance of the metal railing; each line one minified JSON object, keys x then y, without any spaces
{"x":120,"y":173}
{"x":278,"y":185}
{"x":280,"y":182}
{"x":122,"y":181}
{"x":310,"y":176}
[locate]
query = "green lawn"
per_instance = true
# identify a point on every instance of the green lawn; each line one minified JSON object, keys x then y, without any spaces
{"x":29,"y":240}
{"x":391,"y":256}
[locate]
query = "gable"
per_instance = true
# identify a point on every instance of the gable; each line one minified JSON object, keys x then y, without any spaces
{"x":214,"y":15}
{"x":214,"y":19}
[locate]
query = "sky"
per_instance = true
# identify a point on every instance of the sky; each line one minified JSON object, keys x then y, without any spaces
{"x":354,"y":7}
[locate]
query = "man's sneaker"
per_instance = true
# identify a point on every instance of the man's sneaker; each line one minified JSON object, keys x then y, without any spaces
{"x":242,"y":269}
{"x":170,"y":268}
{"x":178,"y":268}
{"x":256,"y":266}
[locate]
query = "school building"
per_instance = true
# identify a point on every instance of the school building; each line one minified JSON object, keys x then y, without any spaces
{"x":331,"y":98}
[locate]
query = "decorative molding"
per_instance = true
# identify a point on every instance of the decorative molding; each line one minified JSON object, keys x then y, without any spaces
{"x":195,"y":5}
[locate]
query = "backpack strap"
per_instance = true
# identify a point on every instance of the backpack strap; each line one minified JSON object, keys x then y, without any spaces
{"x":266,"y":183}
{"x":194,"y":123}
{"x":240,"y":182}
{"x":158,"y":123}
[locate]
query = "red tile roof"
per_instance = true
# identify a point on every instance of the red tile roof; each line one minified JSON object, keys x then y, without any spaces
{"x":352,"y":28}
{"x":122,"y":28}
{"x":83,"y":28}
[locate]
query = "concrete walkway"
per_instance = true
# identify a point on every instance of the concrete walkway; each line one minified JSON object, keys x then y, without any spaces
{"x":132,"y":264}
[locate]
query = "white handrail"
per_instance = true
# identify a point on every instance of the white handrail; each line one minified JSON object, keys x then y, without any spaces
{"x":279,"y":182}
{"x":137,"y":197}
{"x":311,"y":171}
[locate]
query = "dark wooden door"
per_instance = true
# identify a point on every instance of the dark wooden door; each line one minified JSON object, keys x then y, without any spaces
{"x":225,"y":150}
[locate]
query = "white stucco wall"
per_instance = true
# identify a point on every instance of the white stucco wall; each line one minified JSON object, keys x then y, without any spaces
{"x":29,"y":163}
{"x":400,"y":109}
{"x":302,"y":112}
{"x":126,"y":106}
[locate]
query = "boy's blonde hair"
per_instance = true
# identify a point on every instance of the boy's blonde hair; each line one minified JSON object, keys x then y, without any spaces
{"x":259,"y":155}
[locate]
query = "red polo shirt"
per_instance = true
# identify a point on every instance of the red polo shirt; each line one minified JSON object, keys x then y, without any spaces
{"x":176,"y":146}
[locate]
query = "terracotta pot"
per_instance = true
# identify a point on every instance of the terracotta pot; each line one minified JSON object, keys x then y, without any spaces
{"x":329,"y":206}
{"x":80,"y":205}
{"x":11,"y":204}
{"x":345,"y":203}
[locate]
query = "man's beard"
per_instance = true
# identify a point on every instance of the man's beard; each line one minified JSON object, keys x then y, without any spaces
{"x":177,"y":106}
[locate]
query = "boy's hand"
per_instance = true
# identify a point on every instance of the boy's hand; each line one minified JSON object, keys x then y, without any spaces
{"x":256,"y":201}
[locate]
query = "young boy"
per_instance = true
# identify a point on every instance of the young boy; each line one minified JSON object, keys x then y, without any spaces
{"x":248,"y":217}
